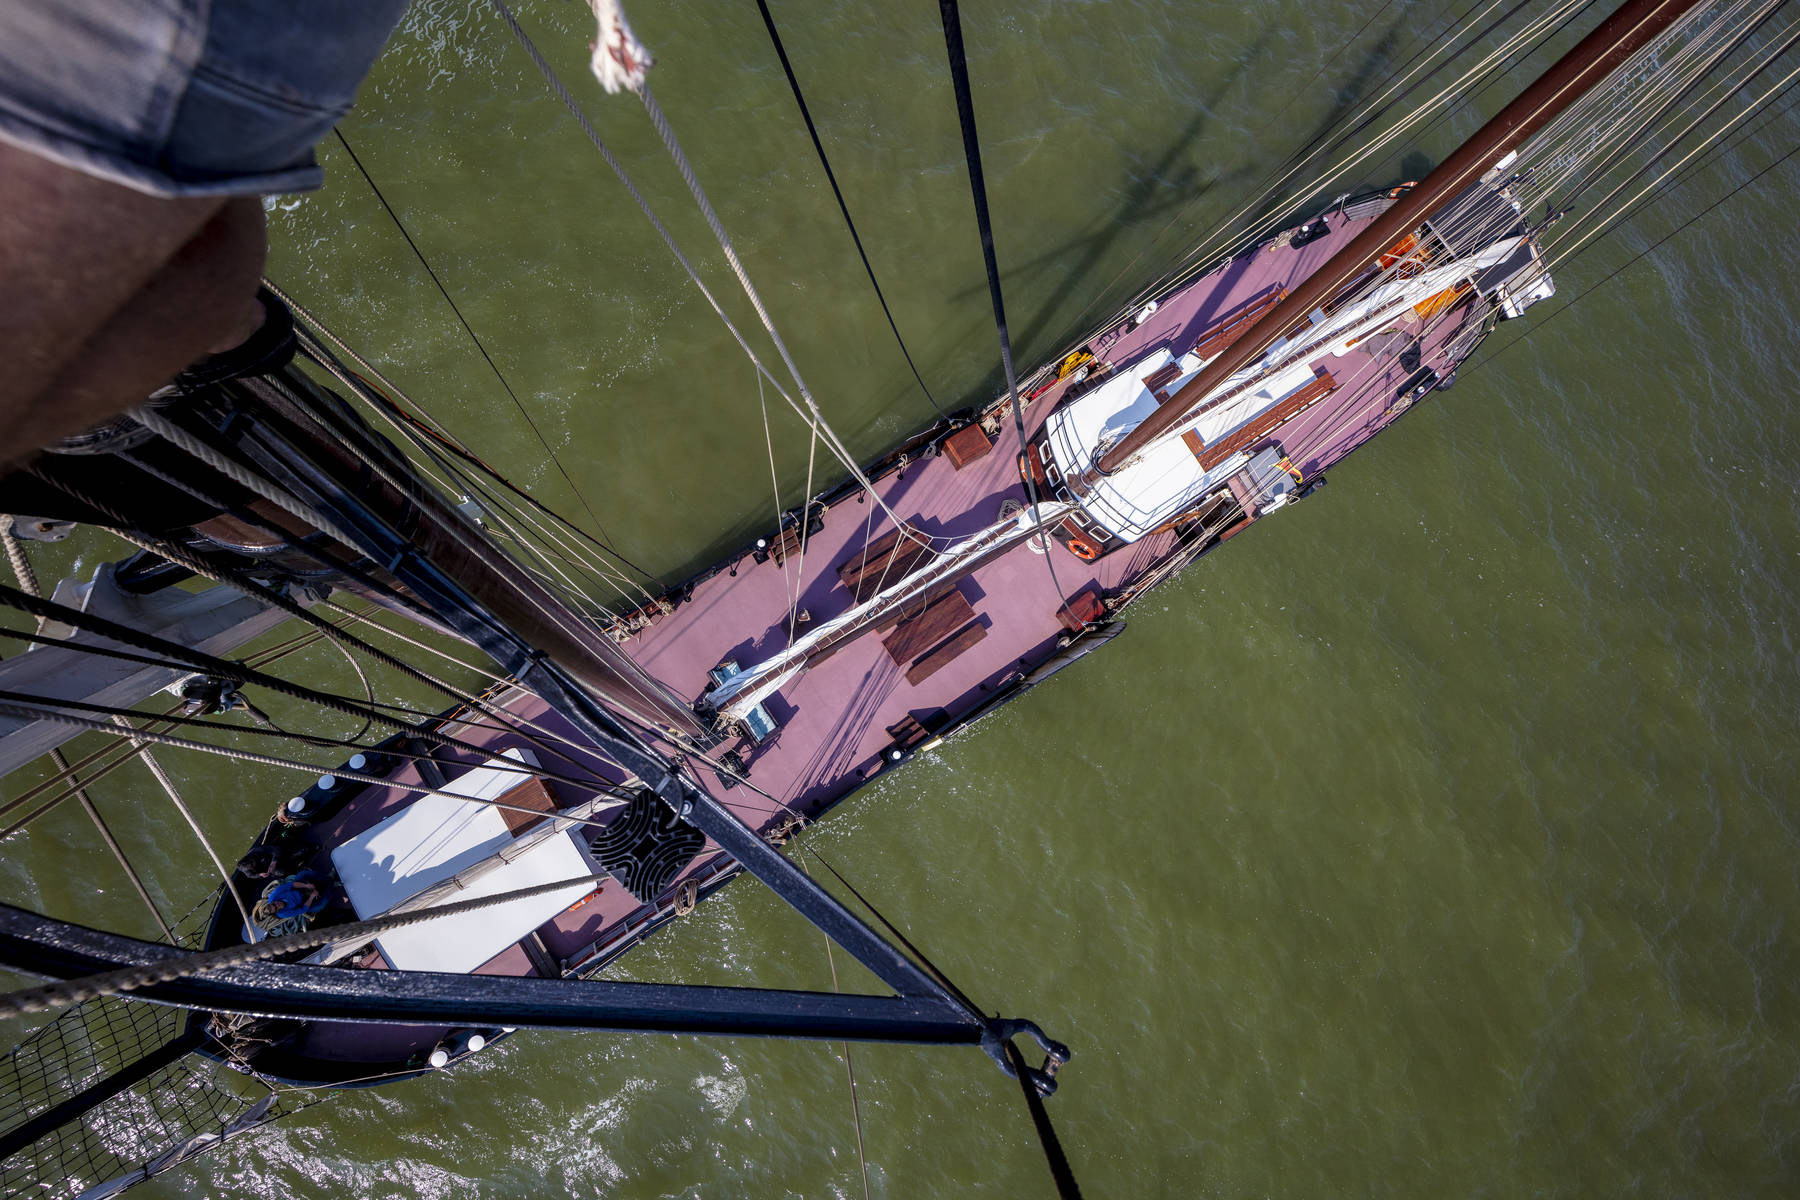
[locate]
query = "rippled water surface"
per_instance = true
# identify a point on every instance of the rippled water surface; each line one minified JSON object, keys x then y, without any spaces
{"x":1436,"y":838}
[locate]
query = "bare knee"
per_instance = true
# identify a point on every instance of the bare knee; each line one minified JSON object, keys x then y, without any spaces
{"x":212,"y":279}
{"x":201,"y":300}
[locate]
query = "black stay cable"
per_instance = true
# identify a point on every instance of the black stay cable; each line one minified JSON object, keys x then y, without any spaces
{"x":965,"y":112}
{"x":1066,"y":1187}
{"x":278,"y":599}
{"x":1640,"y":255}
{"x":831,"y":177}
{"x":187,"y":659}
{"x":445,"y":293}
{"x":1060,"y":1170}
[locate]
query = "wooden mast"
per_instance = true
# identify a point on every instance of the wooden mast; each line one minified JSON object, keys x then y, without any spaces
{"x":1622,"y":34}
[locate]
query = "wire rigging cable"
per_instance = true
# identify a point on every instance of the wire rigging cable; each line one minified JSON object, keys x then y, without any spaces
{"x":425,"y":432}
{"x":965,"y":111}
{"x":831,"y":177}
{"x":27,"y":579}
{"x":810,"y":414}
{"x":463,"y":321}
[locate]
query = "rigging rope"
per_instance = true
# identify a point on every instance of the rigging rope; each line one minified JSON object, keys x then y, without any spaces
{"x":862,"y":1158}
{"x":174,"y":795}
{"x":277,"y":599}
{"x":965,"y":111}
{"x":29,"y":794}
{"x":555,"y":83}
{"x":463,"y":321}
{"x":156,"y":423}
{"x":187,"y":660}
{"x":27,"y":579}
{"x":390,"y":410}
{"x":43,"y":712}
{"x":1673,"y":141}
{"x":118,"y":752}
{"x":831,"y":177}
{"x":130,"y":979}
{"x":820,"y":425}
{"x":1634,"y":259}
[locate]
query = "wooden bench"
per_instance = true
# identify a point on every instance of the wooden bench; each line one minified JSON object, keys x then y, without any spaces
{"x":945,"y":653}
{"x":913,"y":635}
{"x":1211,"y":456}
{"x":1221,"y":334}
{"x":909,"y":731}
{"x":916,"y":605}
{"x":1158,"y":381}
{"x":886,"y":560}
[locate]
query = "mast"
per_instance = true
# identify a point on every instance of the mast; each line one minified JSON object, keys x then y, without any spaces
{"x":1622,"y":34}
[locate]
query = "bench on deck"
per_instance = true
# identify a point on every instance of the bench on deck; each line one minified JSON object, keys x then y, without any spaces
{"x":909,"y":731}
{"x":1211,"y":456}
{"x":1158,"y":381}
{"x":945,"y":653}
{"x":914,"y":635}
{"x":1212,"y":342}
{"x":886,"y":560}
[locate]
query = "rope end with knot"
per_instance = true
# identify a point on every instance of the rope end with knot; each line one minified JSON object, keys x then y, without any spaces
{"x":619,"y":61}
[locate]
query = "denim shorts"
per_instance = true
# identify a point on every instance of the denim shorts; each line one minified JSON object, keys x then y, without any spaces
{"x":186,"y":97}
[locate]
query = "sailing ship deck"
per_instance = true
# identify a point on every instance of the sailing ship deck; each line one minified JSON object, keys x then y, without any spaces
{"x":833,"y":723}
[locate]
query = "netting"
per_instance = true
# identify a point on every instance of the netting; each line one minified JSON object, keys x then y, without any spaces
{"x":107,"y":1142}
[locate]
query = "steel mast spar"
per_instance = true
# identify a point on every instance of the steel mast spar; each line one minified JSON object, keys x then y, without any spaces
{"x":1631,"y":27}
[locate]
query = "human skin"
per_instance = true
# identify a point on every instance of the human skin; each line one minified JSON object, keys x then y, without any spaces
{"x":106,"y":293}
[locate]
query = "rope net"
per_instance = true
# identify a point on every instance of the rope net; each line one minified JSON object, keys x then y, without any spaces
{"x":175,"y":1112}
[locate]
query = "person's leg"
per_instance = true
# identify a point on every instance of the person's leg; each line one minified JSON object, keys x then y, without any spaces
{"x":201,"y":302}
{"x":106,"y":292}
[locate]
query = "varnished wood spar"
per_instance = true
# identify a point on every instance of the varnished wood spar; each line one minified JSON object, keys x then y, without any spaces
{"x":1628,"y":29}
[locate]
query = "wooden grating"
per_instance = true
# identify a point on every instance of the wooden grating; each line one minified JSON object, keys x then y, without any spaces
{"x":1235,"y":325}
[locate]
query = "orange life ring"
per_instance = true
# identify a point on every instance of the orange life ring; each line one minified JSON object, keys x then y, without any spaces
{"x":1085,"y":551}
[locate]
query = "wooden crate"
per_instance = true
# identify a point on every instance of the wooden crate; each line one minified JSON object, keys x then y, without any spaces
{"x":1082,"y":610}
{"x":966,"y":445}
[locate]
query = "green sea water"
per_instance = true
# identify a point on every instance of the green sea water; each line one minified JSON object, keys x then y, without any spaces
{"x":1436,"y":838}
